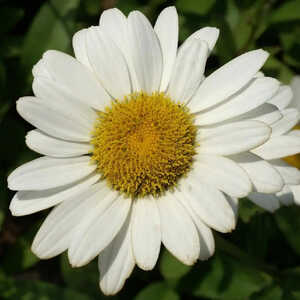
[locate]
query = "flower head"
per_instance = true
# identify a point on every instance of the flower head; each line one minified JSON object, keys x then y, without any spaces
{"x":139,"y":147}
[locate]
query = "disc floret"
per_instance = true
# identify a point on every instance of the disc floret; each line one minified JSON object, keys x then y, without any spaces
{"x":144,"y":144}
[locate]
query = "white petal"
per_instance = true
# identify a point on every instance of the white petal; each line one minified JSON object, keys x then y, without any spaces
{"x":79,"y":46}
{"x":115,"y":25}
{"x":295,"y":133}
{"x":207,"y":242}
{"x":116,"y":261}
{"x":209,"y":204}
{"x":54,"y":121}
{"x":290,"y":118}
{"x":228,"y":79}
{"x":223,"y":174}
{"x":259,"y":74}
{"x":263,"y":175}
{"x":179,"y":234}
{"x":206,"y":238}
{"x":146,"y":234}
{"x":98,"y":228}
{"x":188,"y":70}
{"x":296,"y":193}
{"x":295,"y":85}
{"x":166,"y":28}
{"x":146,"y":52}
{"x":47,"y":172}
{"x":289,"y":174}
{"x":266,"y":113}
{"x":47,"y":145}
{"x":208,"y":34}
{"x":256,"y":93}
{"x":56,"y":97}
{"x":76,"y":78}
{"x":29,"y":202}
{"x":234,"y":203}
{"x":278,"y":146}
{"x":232,"y":138}
{"x":55,"y":234}
{"x":286,"y":195}
{"x":108,"y":63}
{"x":283,"y":97}
{"x":268,"y":202}
{"x":40,"y":70}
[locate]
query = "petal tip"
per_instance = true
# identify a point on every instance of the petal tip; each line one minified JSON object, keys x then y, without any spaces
{"x":264,"y":54}
{"x":10,"y":183}
{"x":37,"y":252}
{"x":145,"y":266}
{"x":12,"y":209}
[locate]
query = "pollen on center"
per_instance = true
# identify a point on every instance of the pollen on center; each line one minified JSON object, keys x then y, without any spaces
{"x":144,"y":144}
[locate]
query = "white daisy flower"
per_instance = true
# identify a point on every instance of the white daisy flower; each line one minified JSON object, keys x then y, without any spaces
{"x":139,"y":147}
{"x":284,"y":142}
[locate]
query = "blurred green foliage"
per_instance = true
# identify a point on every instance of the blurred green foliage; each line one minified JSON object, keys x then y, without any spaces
{"x":260,"y":260}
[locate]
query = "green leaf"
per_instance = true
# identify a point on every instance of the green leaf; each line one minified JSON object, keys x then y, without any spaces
{"x":289,"y":11}
{"x":247,"y":210}
{"x":200,"y":7}
{"x":275,"y":68}
{"x":244,"y":29}
{"x":288,"y":295}
{"x":7,"y":286}
{"x":171,"y":268}
{"x":52,"y":28}
{"x":20,"y":256}
{"x":232,"y":14}
{"x":92,"y":7}
{"x":262,"y":229}
{"x":9,"y":17}
{"x":35,"y":290}
{"x":226,"y":46}
{"x":291,"y":45}
{"x":157,"y":290}
{"x":290,"y":279}
{"x":224,"y":277}
{"x":290,"y":60}
{"x":252,"y":23}
{"x":84,"y":279}
{"x":289,"y":38}
{"x":272,"y":292}
{"x":294,"y":296}
{"x":288,"y":222}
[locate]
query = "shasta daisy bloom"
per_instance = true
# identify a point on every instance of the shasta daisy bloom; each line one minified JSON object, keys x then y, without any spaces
{"x":278,"y":151}
{"x":139,"y":147}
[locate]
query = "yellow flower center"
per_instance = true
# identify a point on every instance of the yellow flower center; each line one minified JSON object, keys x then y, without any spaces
{"x":144,"y":144}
